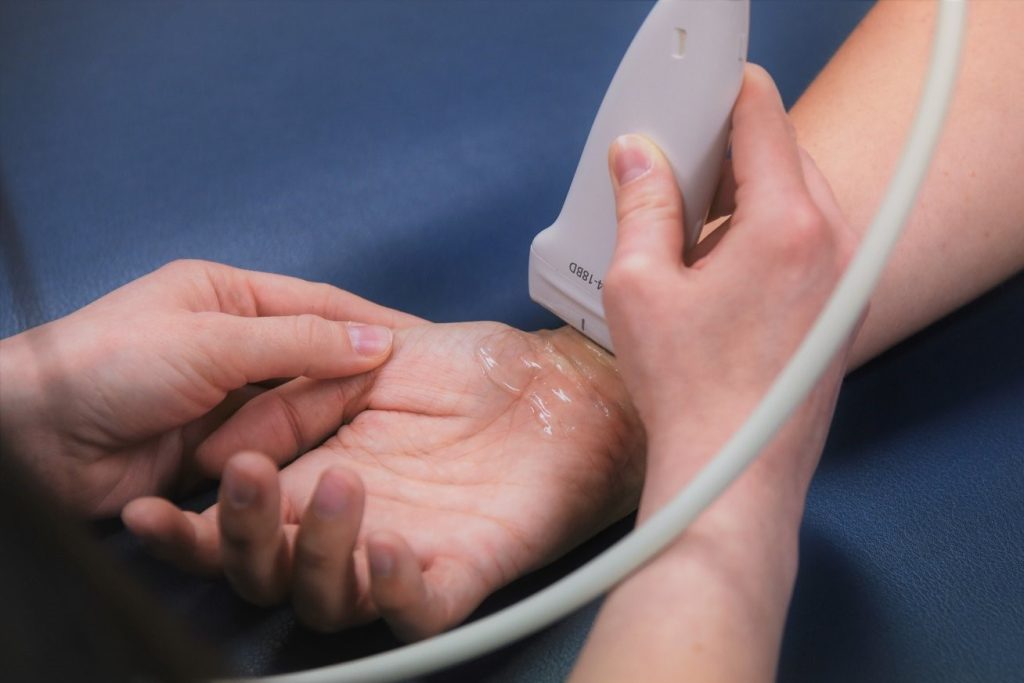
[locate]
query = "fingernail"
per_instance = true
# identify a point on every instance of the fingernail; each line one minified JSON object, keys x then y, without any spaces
{"x":382,"y":563}
{"x":631,"y":159}
{"x":329,"y":498}
{"x":369,"y":340}
{"x":240,"y":493}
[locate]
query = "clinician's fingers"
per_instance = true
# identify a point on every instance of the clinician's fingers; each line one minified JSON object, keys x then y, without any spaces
{"x":415,"y":604}
{"x":286,"y":421}
{"x":239,"y":351}
{"x":324,"y":586}
{"x":765,"y":160}
{"x":252,"y":293}
{"x":648,"y":205}
{"x":184,"y":539}
{"x":254,"y":549}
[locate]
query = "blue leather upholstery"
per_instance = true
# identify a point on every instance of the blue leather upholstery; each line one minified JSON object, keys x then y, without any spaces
{"x":408,"y":151}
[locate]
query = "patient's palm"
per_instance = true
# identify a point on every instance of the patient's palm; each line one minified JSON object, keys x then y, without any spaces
{"x":488,"y":449}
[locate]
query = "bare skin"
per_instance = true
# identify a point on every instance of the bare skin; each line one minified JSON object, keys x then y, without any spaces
{"x":965,"y":235}
{"x":479,"y":453}
{"x":843,"y":121}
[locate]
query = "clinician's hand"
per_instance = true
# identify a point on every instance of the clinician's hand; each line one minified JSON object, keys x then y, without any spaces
{"x":108,"y":403}
{"x":475,"y":454}
{"x":698,"y":343}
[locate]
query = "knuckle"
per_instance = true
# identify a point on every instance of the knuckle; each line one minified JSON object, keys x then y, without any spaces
{"x":805,"y":217}
{"x":236,"y":535}
{"x":209,"y":455}
{"x":314,"y":559}
{"x":760,"y":78}
{"x":644,"y":203}
{"x":326,"y":296}
{"x":636,"y":283}
{"x":758,"y":72}
{"x":313,"y":332}
{"x":287,"y":421}
{"x":254,"y":581}
{"x":185,"y":266}
{"x":629,"y":273}
{"x":803,"y":232}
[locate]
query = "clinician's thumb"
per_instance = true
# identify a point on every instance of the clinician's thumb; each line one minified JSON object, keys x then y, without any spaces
{"x":648,"y":204}
{"x":264,"y":348}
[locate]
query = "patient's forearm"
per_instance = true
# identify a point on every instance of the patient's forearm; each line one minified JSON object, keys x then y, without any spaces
{"x":967,"y":233}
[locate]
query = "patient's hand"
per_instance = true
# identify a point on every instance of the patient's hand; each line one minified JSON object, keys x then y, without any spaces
{"x":484,"y":452}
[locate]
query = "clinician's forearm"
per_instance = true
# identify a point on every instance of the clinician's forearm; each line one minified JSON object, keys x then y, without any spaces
{"x":711,"y":608}
{"x":967,"y":232}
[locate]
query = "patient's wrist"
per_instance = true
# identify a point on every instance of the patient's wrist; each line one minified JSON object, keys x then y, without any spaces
{"x":622,"y":433}
{"x":598,"y":372}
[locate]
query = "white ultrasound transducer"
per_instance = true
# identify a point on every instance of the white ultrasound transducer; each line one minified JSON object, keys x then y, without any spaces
{"x":676,"y":85}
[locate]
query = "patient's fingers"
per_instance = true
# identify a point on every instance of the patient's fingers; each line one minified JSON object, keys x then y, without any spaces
{"x":285,"y":421}
{"x":324,"y":586}
{"x":397,"y":587}
{"x":254,"y":549}
{"x":415,"y":604}
{"x":185,"y":539}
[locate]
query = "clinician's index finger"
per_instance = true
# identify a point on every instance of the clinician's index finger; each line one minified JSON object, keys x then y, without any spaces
{"x":225,"y":289}
{"x":765,"y":158}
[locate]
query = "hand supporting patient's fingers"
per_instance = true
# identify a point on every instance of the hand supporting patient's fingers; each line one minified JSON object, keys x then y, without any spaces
{"x":324,"y":585}
{"x":185,"y":539}
{"x":254,"y":549}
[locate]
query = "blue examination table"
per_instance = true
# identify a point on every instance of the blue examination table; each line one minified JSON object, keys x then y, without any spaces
{"x":409,"y":151}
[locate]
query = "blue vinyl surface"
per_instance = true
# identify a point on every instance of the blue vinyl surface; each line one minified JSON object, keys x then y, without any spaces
{"x":409,"y":151}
